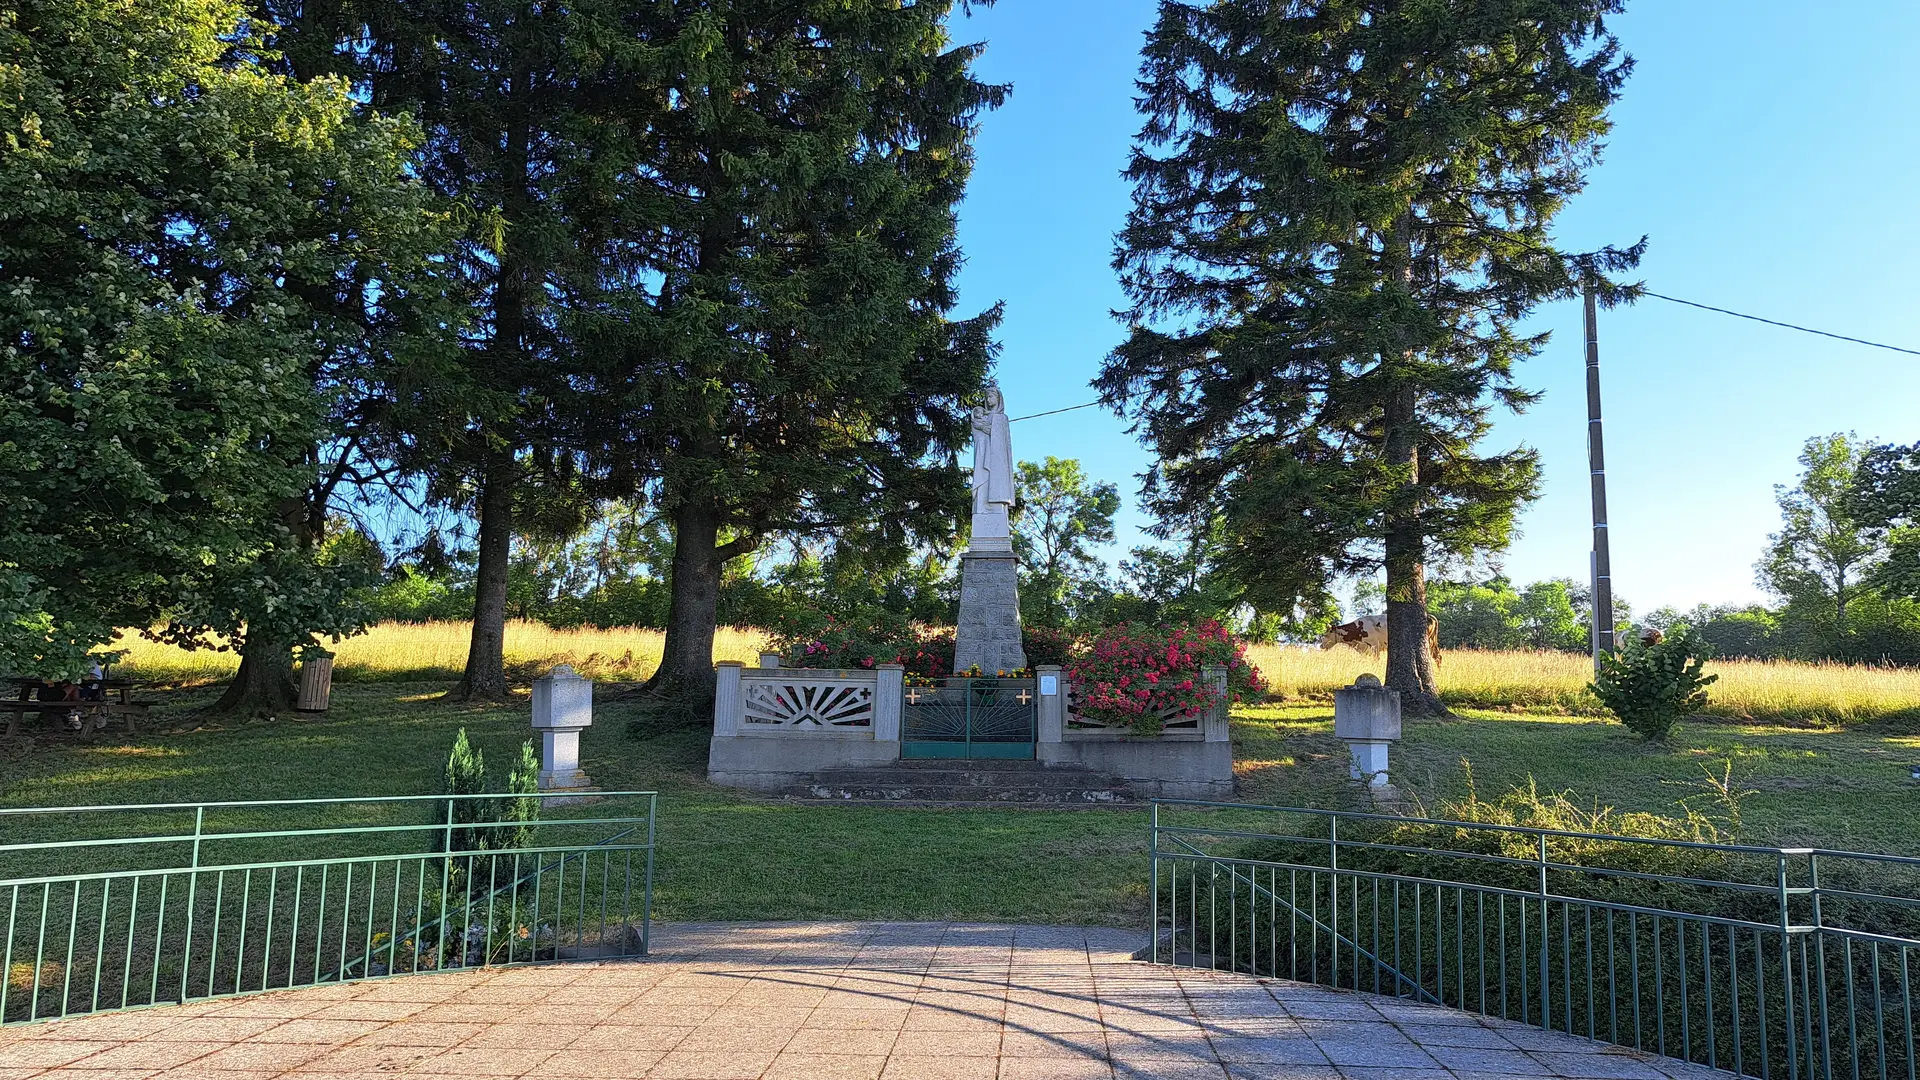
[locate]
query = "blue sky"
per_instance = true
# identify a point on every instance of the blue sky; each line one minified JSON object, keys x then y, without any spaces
{"x":1768,"y":149}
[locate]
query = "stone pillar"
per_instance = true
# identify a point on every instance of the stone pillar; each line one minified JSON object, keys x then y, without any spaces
{"x":769,"y":659}
{"x":1366,"y":716}
{"x":889,"y":699}
{"x":988,"y":633}
{"x":562,"y":709}
{"x":1053,"y":702}
{"x":1216,"y":723}
{"x":728,"y":705}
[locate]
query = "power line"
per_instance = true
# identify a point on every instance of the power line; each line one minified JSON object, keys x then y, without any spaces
{"x":1644,"y":292}
{"x":1052,"y":412}
{"x":1775,"y":322}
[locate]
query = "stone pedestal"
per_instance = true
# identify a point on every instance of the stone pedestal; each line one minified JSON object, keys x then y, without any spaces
{"x":562,"y":709}
{"x":1366,"y":716}
{"x":988,"y":634}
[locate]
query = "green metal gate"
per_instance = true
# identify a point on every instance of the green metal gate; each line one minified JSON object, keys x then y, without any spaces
{"x":970,"y":718}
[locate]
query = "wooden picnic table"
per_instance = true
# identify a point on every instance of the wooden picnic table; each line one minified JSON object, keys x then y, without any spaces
{"x":113,"y":697}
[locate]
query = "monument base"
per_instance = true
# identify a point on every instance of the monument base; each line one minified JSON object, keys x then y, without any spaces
{"x":988,"y":633}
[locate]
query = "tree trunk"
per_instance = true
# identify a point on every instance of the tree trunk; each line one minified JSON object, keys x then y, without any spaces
{"x":684,"y":681}
{"x":486,"y":675}
{"x":264,"y":684}
{"x":1409,"y":662}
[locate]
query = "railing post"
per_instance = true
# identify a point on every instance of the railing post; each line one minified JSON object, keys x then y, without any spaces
{"x":446,"y":883}
{"x":193,"y":895}
{"x":1786,"y":969}
{"x":1820,"y":959}
{"x":646,"y":902}
{"x":1546,"y":951}
{"x":1153,"y":878}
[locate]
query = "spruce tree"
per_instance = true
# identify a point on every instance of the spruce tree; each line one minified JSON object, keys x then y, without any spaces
{"x":1341,"y":213}
{"x":517,"y":101}
{"x":778,"y":295}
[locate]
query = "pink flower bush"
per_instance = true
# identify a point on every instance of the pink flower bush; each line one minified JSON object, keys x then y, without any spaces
{"x":1166,"y":662}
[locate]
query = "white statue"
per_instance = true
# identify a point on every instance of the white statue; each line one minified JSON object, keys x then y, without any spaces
{"x":992,"y":474}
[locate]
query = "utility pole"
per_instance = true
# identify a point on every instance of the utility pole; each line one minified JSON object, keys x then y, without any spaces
{"x":1597,"y":463}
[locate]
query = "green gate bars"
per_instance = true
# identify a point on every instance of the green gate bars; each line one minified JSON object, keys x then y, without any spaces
{"x":108,"y":907}
{"x":1770,"y":962}
{"x":965,"y":717}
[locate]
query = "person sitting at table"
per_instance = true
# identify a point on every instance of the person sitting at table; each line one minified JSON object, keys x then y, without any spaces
{"x":60,"y":690}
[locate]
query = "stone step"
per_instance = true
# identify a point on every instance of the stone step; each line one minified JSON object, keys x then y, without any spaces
{"x":961,"y":777}
{"x":957,"y":794}
{"x":963,"y":782}
{"x":986,"y":765}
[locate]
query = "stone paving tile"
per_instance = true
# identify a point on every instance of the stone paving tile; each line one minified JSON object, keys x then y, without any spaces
{"x":1253,"y":1071}
{"x":1598,"y":1066}
{"x":823,"y":1001}
{"x":902,"y":1067}
{"x":826,"y":1067}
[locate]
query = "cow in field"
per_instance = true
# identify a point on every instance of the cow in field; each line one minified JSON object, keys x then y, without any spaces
{"x":1369,"y":634}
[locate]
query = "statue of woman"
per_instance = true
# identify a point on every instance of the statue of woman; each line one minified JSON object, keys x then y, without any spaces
{"x":992,"y":457}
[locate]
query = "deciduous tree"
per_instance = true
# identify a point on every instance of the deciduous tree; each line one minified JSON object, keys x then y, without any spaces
{"x":1059,"y":516}
{"x":1826,"y":554}
{"x":188,"y":239}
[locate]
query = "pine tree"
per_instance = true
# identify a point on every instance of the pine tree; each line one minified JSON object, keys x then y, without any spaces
{"x":1341,"y":213}
{"x":780,"y":294}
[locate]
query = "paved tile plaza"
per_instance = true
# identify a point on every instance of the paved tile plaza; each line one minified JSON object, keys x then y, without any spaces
{"x":821,"y":1001}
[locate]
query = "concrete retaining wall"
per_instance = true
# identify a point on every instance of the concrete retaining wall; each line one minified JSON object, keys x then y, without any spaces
{"x":1168,"y":767}
{"x":769,"y":763}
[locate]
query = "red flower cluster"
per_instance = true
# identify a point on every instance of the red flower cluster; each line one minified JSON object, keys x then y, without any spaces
{"x":1144,"y":676}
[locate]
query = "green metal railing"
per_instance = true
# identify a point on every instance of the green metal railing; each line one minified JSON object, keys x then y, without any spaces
{"x":110,"y":907}
{"x":1788,"y":962}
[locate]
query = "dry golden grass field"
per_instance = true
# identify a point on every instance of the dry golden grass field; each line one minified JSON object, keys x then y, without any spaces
{"x":1551,"y":682}
{"x":407,"y":651}
{"x":1810,"y":694}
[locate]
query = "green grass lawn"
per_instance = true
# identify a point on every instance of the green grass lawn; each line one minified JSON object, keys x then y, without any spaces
{"x":726,"y":855}
{"x":1831,"y":787}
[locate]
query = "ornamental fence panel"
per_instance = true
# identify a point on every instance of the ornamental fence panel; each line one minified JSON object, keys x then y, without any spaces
{"x":111,"y":907}
{"x":1787,"y":962}
{"x":796,"y":700}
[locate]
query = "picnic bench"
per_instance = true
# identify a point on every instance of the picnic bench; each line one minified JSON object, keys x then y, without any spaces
{"x":112,"y":698}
